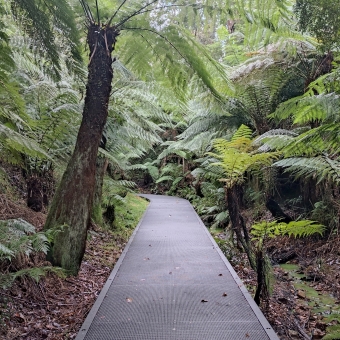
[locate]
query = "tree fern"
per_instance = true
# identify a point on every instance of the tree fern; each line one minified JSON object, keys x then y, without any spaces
{"x":115,"y":190}
{"x":236,"y":157}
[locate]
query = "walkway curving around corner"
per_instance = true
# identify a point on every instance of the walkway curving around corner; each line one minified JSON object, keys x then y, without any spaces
{"x":173,"y":283}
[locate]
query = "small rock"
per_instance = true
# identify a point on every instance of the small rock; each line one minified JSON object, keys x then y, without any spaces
{"x":301,"y":294}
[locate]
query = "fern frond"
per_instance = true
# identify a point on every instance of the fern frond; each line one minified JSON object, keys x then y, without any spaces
{"x":243,"y":132}
{"x":164,"y":179}
{"x":303,"y":228}
{"x":114,"y":190}
{"x":5,"y":252}
{"x":266,"y":22}
{"x":42,"y":21}
{"x":307,"y":109}
{"x":320,"y":168}
{"x":275,"y":139}
{"x":236,"y":157}
{"x":19,"y":237}
{"x":35,"y":273}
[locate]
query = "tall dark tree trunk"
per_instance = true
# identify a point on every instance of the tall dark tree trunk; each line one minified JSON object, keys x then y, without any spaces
{"x":260,"y":276}
{"x":237,"y":221}
{"x":72,"y":203}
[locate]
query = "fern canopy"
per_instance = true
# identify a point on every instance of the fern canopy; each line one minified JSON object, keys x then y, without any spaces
{"x":48,"y":22}
{"x":238,"y":156}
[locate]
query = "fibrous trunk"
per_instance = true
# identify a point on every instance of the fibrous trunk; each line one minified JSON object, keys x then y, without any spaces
{"x":237,"y":221}
{"x":72,"y":203}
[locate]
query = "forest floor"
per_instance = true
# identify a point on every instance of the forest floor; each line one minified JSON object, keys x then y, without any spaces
{"x":55,"y":307}
{"x":305,"y":299}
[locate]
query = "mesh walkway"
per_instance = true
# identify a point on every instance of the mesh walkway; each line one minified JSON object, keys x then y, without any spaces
{"x":172,"y":282}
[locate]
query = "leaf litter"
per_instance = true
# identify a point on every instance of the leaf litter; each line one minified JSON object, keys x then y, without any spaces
{"x":55,"y":307}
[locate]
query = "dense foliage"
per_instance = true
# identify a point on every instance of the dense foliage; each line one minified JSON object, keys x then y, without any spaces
{"x":233,"y":105}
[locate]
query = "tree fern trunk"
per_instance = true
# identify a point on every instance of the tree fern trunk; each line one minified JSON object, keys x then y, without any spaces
{"x":72,"y":203}
{"x":236,"y":219}
{"x":260,"y":276}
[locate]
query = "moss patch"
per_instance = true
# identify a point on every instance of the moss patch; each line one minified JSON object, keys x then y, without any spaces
{"x":129,"y":212}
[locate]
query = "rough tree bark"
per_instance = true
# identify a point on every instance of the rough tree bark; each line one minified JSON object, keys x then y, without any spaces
{"x":72,"y":203}
{"x":237,"y":221}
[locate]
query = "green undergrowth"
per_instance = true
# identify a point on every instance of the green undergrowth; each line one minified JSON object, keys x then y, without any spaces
{"x":127,"y":215}
{"x":5,"y":186}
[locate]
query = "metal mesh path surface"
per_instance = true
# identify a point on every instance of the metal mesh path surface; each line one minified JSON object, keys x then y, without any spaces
{"x":173,"y":282}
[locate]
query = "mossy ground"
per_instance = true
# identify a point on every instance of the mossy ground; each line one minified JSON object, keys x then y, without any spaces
{"x":322,"y":304}
{"x":129,"y":212}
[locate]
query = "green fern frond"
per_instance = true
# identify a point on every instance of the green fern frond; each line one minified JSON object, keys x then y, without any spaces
{"x":320,"y":168}
{"x":173,"y":149}
{"x":12,"y":140}
{"x":265,"y":22}
{"x":173,"y":54}
{"x":307,"y":109}
{"x":152,"y":170}
{"x":5,"y":252}
{"x":114,"y":190}
{"x":237,"y":156}
{"x":164,"y":179}
{"x":243,"y":132}
{"x":42,"y":21}
{"x":19,"y":237}
{"x":35,"y":273}
{"x":275,"y":139}
{"x":303,"y":228}
{"x":19,"y":225}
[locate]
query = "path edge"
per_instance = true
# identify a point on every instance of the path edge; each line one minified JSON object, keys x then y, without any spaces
{"x":264,"y":322}
{"x":102,"y":295}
